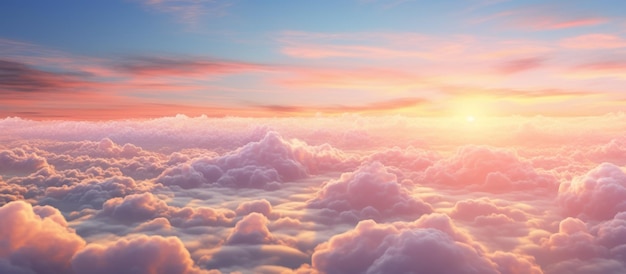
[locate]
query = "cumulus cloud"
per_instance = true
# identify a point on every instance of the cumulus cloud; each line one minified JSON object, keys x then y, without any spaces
{"x":203,"y":181}
{"x":482,"y":168}
{"x":484,"y":212}
{"x":147,"y":206}
{"x":369,"y":192}
{"x":252,"y":229}
{"x":261,"y":164}
{"x":599,"y":194}
{"x":18,"y":162}
{"x":431,"y":244}
{"x":142,"y":254}
{"x":410,"y":158}
{"x":580,"y":247}
{"x":259,"y":206}
{"x":36,"y":239}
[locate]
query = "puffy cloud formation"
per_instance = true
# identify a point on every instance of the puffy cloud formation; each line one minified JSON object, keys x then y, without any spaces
{"x":489,"y":169}
{"x":205,"y":182}
{"x":577,"y":248}
{"x":261,"y":164}
{"x":252,"y":229}
{"x":260,"y":206}
{"x":35,"y":239}
{"x":146,"y":206}
{"x":369,"y":192}
{"x":485,"y":212}
{"x":599,"y":194}
{"x":431,"y":244}
{"x":18,"y":162}
{"x":143,"y":254}
{"x":93,"y":193}
{"x":410,"y":158}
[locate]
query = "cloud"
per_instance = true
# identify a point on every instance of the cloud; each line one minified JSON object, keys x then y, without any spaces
{"x":594,"y":41}
{"x":93,"y":193}
{"x":252,"y":229}
{"x":259,"y":206}
{"x":261,"y":164}
{"x":520,"y":65}
{"x":580,"y":247}
{"x":544,"y":19}
{"x":141,"y":254}
{"x":483,"y":168}
{"x":36,"y":239}
{"x":599,"y":69}
{"x":497,"y":206}
{"x":430,"y":244}
{"x":147,"y":206}
{"x":189,"y":11}
{"x":371,"y":191}
{"x":383,"y":106}
{"x":157,"y":66}
{"x":18,"y":162}
{"x":486,"y":212}
{"x":597,"y":195}
{"x":410,"y":158}
{"x":19,"y":77}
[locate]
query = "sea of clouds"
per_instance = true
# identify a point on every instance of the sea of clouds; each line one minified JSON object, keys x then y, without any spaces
{"x":346,"y":194}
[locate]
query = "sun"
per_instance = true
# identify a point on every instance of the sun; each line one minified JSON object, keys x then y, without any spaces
{"x":470,"y":118}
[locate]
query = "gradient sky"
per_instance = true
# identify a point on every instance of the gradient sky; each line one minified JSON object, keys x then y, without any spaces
{"x":99,"y":60}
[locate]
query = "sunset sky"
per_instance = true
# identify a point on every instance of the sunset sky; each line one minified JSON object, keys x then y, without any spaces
{"x":86,"y":60}
{"x":312,"y":137}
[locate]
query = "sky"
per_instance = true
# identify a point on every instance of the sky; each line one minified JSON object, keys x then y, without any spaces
{"x":312,"y":137}
{"x":84,"y":60}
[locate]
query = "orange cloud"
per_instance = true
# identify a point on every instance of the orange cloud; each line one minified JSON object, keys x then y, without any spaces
{"x":382,"y":106}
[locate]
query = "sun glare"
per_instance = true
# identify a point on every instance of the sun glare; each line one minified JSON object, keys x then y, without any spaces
{"x":470,"y":119}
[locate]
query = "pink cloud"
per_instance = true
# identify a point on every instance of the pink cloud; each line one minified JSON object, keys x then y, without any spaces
{"x":488,"y":169}
{"x":597,"y":195}
{"x":600,"y":69}
{"x":504,"y":214}
{"x":261,"y":164}
{"x":484,"y":211}
{"x":541,"y":19}
{"x":430,"y":244}
{"x":520,"y":65}
{"x":36,"y":238}
{"x":252,"y":229}
{"x":259,"y":206}
{"x":143,"y":253}
{"x":371,"y":191}
{"x":18,"y":162}
{"x":594,"y":41}
{"x":146,"y":206}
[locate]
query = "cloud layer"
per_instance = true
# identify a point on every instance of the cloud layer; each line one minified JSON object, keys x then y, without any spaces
{"x":321,"y":195}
